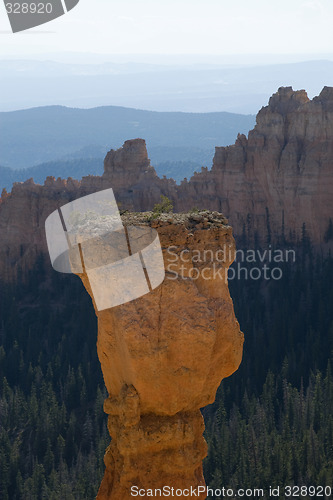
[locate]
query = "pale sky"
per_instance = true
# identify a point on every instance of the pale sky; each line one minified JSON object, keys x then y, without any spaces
{"x":179,"y":27}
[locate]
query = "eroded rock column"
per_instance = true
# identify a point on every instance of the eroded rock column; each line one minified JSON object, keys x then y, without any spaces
{"x":163,"y":357}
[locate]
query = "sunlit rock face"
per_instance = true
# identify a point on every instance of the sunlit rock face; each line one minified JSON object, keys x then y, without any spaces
{"x":164,"y":355}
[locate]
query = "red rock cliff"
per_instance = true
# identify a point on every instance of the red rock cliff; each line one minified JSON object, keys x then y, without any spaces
{"x":281,"y":175}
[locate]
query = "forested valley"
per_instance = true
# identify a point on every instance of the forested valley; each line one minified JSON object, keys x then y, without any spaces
{"x":271,"y":423}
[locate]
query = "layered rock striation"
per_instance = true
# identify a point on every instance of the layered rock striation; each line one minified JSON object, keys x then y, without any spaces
{"x":163,"y":357}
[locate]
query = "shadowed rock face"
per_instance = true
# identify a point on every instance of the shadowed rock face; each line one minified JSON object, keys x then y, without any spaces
{"x":127,"y":163}
{"x":163,"y":357}
{"x":282,"y":174}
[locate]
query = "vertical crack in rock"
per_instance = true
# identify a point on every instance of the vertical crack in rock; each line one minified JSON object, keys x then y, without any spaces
{"x":160,"y":316}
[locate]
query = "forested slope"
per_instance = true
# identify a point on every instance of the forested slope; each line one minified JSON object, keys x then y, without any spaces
{"x":271,"y":424}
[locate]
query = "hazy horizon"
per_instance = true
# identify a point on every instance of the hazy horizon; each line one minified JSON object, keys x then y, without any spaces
{"x":165,"y":85}
{"x":217,"y":56}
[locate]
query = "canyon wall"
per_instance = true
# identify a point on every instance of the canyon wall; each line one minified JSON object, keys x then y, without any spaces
{"x":271,"y":182}
{"x":163,"y":356}
{"x":281,"y":175}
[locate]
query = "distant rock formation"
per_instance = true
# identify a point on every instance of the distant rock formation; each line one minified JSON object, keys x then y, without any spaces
{"x":268,"y":184}
{"x":163,"y":357}
{"x":133,"y":156}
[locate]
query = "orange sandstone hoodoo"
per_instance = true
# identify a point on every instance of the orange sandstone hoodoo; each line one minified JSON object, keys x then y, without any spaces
{"x":163,"y":357}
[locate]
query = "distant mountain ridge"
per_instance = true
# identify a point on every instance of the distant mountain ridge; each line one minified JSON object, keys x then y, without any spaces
{"x":58,"y":134}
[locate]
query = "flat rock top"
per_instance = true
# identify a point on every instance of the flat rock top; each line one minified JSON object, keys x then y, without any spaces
{"x":189,"y":219}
